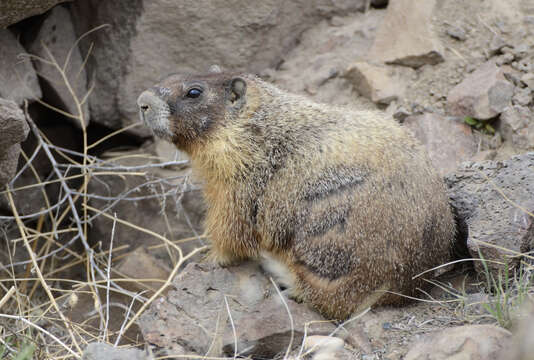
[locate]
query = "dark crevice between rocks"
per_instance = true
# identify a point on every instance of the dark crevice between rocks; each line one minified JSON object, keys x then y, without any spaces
{"x":459,"y":249}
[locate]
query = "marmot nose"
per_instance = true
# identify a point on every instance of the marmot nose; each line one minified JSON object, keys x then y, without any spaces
{"x":146,"y":100}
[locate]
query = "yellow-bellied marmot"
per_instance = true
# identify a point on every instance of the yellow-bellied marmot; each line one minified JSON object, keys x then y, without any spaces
{"x":342,"y":205}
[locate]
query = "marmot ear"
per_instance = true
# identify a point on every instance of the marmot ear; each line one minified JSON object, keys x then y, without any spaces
{"x":238,"y":88}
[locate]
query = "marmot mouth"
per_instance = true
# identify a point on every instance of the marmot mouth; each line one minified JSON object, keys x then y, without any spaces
{"x":154,"y":112}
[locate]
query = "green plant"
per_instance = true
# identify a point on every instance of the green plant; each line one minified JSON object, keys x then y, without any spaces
{"x":509,"y":292}
{"x":482,"y":125}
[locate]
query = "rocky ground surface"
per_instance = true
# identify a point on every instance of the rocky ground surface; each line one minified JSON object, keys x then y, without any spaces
{"x":459,"y":74}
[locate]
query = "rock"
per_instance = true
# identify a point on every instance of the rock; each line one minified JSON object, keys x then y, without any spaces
{"x":522,"y":346}
{"x":379,"y":84}
{"x":12,"y":11}
{"x":521,"y":96}
{"x":98,"y":351}
{"x":448,"y":141}
{"x":457,"y":32}
{"x":18,"y":80}
{"x":528,"y":80}
{"x":139,"y":264}
{"x":517,"y":126}
{"x":196,"y":314}
{"x":462,"y":342}
{"x":496,"y":44}
{"x":405,"y":37}
{"x":326,"y":348}
{"x":493,"y":198}
{"x":148,"y":39}
{"x":58,"y":35}
{"x":482,"y":95}
{"x":9,"y":159}
{"x":177,"y":215}
{"x":13,"y":130}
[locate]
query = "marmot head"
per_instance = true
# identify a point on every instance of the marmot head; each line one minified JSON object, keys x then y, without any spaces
{"x":187,"y":108}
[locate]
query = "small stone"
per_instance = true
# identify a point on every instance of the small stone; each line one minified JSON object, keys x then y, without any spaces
{"x":517,"y":126}
{"x":504,"y":59}
{"x":323,"y":343}
{"x":463,"y":342}
{"x":401,"y":114}
{"x":496,"y":44}
{"x":521,"y":50}
{"x":482,"y":95}
{"x":447,"y":141}
{"x":457,"y":32}
{"x":522,"y":65}
{"x":528,"y":80}
{"x":521,"y":96}
{"x":380,"y":84}
{"x":512,"y":75}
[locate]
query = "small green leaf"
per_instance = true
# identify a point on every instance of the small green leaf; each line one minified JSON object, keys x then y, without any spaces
{"x":479,"y":125}
{"x":490,"y":129}
{"x":470,"y":121}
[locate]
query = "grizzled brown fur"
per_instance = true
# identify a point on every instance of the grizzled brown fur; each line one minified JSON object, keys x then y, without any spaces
{"x":345,"y":201}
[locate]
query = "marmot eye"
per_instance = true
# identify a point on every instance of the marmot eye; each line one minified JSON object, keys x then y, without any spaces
{"x":194,"y":93}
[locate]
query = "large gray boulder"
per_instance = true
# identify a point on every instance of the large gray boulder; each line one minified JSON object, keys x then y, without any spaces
{"x":57,"y":38}
{"x":150,"y":39}
{"x":18,"y":80}
{"x":495,"y":200}
{"x":12,"y":11}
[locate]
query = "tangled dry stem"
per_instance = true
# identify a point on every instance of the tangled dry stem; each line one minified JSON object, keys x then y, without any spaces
{"x":25,"y":316}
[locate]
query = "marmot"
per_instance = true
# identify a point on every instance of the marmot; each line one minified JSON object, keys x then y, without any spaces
{"x":343,"y":205}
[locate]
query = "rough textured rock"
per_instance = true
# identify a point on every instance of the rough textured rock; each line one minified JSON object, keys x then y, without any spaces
{"x":13,"y":130}
{"x":12,"y":11}
{"x":18,"y":80}
{"x":448,"y":141}
{"x":517,"y":126}
{"x":482,"y":95}
{"x":58,"y":36}
{"x":139,"y":264}
{"x":195,"y":316}
{"x":315,"y":66}
{"x":405,"y":37}
{"x":148,"y":39}
{"x":98,"y":351}
{"x":493,"y":199}
{"x":380,"y":84}
{"x":463,"y":342}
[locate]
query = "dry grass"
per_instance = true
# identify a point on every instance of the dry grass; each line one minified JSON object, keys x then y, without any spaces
{"x":36,"y":293}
